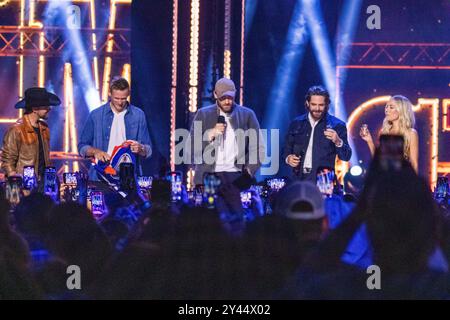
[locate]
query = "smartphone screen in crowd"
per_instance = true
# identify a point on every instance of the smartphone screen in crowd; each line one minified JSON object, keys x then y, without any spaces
{"x":13,"y":189}
{"x":442,"y":188}
{"x":391,"y":155}
{"x":211,"y":182}
{"x":145,"y":182}
{"x":176,"y":180}
{"x":70,"y":178}
{"x":51,"y":183}
{"x":325,"y":181}
{"x":246,"y":199}
{"x":29,"y":178}
{"x":276,"y":184}
{"x":97,"y":204}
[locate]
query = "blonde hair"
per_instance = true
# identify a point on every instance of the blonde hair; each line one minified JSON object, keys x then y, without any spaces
{"x":406,"y":121}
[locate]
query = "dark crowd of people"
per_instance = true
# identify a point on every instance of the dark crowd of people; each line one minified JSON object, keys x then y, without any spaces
{"x":308,"y":247}
{"x":390,"y":240}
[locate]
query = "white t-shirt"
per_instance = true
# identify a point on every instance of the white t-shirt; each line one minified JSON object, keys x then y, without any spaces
{"x":228,"y":149}
{"x":117,"y":134}
{"x":308,"y":156}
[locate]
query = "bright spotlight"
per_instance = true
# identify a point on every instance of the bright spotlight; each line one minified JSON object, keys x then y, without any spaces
{"x":76,"y":54}
{"x":356,"y":171}
{"x":288,"y":69}
{"x":92,"y":99}
{"x":287,"y":74}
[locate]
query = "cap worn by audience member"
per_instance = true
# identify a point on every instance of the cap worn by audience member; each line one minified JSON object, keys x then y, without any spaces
{"x":301,"y":200}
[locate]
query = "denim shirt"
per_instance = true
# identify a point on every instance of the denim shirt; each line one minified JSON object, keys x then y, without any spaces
{"x":97,"y":129}
{"x":324,"y":150}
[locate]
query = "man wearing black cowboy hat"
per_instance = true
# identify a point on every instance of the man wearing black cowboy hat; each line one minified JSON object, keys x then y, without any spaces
{"x":27,"y":142}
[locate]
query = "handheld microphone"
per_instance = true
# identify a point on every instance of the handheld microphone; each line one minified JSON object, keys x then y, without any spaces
{"x":43,"y":121}
{"x":299,"y":153}
{"x":221,"y":119}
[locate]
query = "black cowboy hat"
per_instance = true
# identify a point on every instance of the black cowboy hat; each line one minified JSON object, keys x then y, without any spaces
{"x":38,"y":97}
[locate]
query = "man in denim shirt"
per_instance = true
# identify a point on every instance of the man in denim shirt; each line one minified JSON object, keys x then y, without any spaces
{"x":112,"y":124}
{"x":315,"y":138}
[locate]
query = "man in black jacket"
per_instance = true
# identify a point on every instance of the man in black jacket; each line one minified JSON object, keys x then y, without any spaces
{"x":315,"y":138}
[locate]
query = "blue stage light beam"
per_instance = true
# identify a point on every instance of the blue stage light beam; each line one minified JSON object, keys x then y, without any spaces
{"x":286,"y":77}
{"x":77,"y":55}
{"x":322,"y":49}
{"x":326,"y":57}
{"x":324,"y":53}
{"x":250,"y":9}
{"x":288,"y":69}
{"x":345,"y":34}
{"x":208,"y":84}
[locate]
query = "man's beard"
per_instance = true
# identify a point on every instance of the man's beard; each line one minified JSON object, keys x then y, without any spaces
{"x":227,"y":108}
{"x":318,"y":114}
